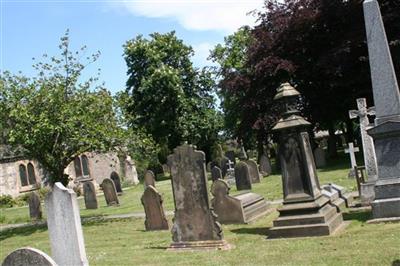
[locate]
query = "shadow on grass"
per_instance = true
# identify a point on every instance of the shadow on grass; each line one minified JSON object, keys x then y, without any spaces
{"x":252,"y":231}
{"x":158,"y":247}
{"x":361,"y":216}
{"x":22,"y":231}
{"x":396,"y":262}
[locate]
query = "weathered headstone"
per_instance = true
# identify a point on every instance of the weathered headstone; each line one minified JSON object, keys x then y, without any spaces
{"x":28,"y":256}
{"x":231,"y":156}
{"x":35,"y":208}
{"x":89,"y":194}
{"x":351,"y":150}
{"x":149,"y":179}
{"x":64,"y":225}
{"x":265,"y":165}
{"x":242,"y":154}
{"x":195,"y":225}
{"x":117,"y":182}
{"x":216,"y":173}
{"x":110,"y":193}
{"x":254,"y":173}
{"x":242,"y":176}
{"x":320,"y":157}
{"x":155,"y":216}
{"x":386,"y":133}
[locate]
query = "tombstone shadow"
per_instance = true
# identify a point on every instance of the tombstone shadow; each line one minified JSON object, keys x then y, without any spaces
{"x":396,"y":262}
{"x":22,"y":231}
{"x":252,"y":231}
{"x":361,"y":216}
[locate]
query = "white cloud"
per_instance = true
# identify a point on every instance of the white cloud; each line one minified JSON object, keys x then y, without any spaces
{"x":201,"y":52}
{"x":219,"y":15}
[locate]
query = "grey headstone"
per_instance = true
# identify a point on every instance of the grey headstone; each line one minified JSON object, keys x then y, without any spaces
{"x":64,"y":225}
{"x":216,"y":173}
{"x":155,"y":216}
{"x":35,"y":208}
{"x":117,"y":182}
{"x":149,"y":179}
{"x":89,"y":194}
{"x":320,"y":157}
{"x":242,"y":176}
{"x":254,"y":173}
{"x":28,"y":257}
{"x":265,"y":165}
{"x":110,"y":193}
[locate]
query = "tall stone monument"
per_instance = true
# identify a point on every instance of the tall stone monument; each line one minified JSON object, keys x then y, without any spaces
{"x":386,"y":132}
{"x":64,"y":224}
{"x":195,"y":225}
{"x":367,"y":193}
{"x":305,"y":211}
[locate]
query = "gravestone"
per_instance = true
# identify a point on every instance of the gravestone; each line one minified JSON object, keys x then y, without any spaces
{"x":351,"y":150}
{"x":28,"y":256}
{"x":367,"y":193}
{"x":231,"y":156}
{"x":35,"y":208}
{"x":230,"y":174}
{"x":64,"y":226}
{"x":117,"y":182}
{"x":242,"y":154}
{"x":110,"y":193}
{"x":149,"y":179}
{"x":242,"y":176}
{"x":209,"y":166}
{"x":155,"y":216}
{"x":224,"y":165}
{"x":89,"y":194}
{"x":320,"y":157}
{"x":386,"y":132}
{"x":195,"y":225}
{"x":254,"y":173}
{"x":265,"y":165}
{"x":216,"y":173}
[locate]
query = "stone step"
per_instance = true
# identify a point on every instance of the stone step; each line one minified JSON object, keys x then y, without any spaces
{"x":324,"y":215}
{"x":255,"y":211}
{"x":249,"y":198}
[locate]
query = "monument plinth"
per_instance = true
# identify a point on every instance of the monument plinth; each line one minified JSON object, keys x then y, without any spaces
{"x":305,"y":211}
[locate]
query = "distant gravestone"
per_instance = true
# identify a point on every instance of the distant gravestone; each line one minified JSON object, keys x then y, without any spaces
{"x":149,"y":179}
{"x":351,"y":150}
{"x":242,"y":176}
{"x":110,"y":193}
{"x":117,"y":182}
{"x":254,"y":173}
{"x":35,"y":208}
{"x":209,"y":166}
{"x":89,"y":194}
{"x":224,"y":165}
{"x":64,"y":226}
{"x":195,"y":225}
{"x":242,"y":154}
{"x":265,"y":165}
{"x":216,"y":173}
{"x":231,"y":156}
{"x":28,"y":256}
{"x":320,"y":157}
{"x":155,"y":216}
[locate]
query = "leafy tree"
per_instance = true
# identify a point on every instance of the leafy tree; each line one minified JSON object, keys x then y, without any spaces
{"x":54,"y":116}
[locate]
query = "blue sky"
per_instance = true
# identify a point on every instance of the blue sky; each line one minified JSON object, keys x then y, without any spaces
{"x":31,"y":28}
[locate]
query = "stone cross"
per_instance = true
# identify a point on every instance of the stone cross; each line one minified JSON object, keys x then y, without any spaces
{"x":64,"y":225}
{"x":368,"y":143}
{"x":352,"y":150}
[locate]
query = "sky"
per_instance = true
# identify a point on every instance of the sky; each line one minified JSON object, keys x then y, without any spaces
{"x":31,"y":28}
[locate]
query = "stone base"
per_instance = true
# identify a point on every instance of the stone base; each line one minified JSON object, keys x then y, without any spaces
{"x":384,"y":220}
{"x":303,"y":221}
{"x":367,"y":194}
{"x":387,"y":199}
{"x":200,"y":245}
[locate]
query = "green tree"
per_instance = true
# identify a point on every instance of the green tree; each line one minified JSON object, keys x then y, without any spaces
{"x":54,"y":116}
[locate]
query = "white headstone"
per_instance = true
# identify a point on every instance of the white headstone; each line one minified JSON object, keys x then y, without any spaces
{"x":64,"y":225}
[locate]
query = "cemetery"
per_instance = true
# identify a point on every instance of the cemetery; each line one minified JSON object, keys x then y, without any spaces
{"x":271,"y":177}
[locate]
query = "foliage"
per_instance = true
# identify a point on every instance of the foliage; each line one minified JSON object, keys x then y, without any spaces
{"x":6,"y":201}
{"x":56,"y":117}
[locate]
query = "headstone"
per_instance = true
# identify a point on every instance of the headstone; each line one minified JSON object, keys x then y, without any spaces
{"x":224,"y":165}
{"x":155,"y":216}
{"x":130,"y":170}
{"x":254,"y":173}
{"x":367,"y":193}
{"x":209,"y":166}
{"x":64,"y":226}
{"x":351,"y":150}
{"x":28,"y":256}
{"x":265,"y":165}
{"x":386,"y":133}
{"x":195,"y":225}
{"x":231,"y":156}
{"x":242,"y":176}
{"x":216,"y":173}
{"x":35,"y":208}
{"x":89,"y":194}
{"x":242,"y":154}
{"x":110,"y":193}
{"x":320,"y":157}
{"x":230,"y":174}
{"x":149,"y":179}
{"x":117,"y":182}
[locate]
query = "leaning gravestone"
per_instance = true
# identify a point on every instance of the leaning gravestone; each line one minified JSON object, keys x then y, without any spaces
{"x":254,"y":173}
{"x":195,"y":225}
{"x":155,"y":216}
{"x":320,"y":157}
{"x":35,"y":208}
{"x":149,"y":179}
{"x":89,"y":194}
{"x":28,"y":256}
{"x":110,"y":193}
{"x":216,"y":173}
{"x":242,"y":176}
{"x":265,"y":165}
{"x":64,"y":225}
